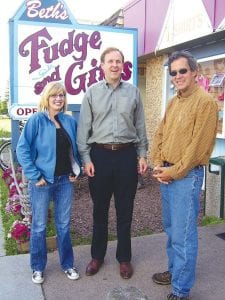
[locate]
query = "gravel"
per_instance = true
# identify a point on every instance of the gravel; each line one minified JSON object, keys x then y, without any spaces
{"x":147,"y":217}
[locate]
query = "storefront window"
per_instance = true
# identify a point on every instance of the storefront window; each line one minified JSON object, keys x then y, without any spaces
{"x":211,"y":76}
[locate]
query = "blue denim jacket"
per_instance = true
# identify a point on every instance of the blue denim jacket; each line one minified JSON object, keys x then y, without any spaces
{"x":36,"y":148}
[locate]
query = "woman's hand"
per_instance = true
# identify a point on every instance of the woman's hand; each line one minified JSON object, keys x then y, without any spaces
{"x":41,"y":182}
{"x":72,"y":178}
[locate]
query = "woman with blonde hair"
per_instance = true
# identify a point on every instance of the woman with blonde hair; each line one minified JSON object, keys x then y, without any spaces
{"x":47,"y":152}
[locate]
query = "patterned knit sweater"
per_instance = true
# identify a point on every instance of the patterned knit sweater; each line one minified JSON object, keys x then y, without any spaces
{"x":186,"y":135}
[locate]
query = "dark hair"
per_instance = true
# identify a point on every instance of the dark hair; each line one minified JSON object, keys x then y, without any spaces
{"x":192,"y":62}
{"x":108,"y":50}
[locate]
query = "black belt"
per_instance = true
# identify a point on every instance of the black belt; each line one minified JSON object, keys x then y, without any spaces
{"x":167,"y":164}
{"x":113,"y":147}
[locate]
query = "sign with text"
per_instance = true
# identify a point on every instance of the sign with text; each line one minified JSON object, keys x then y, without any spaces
{"x":185,"y":20}
{"x":47,"y":44}
{"x":21,"y":112}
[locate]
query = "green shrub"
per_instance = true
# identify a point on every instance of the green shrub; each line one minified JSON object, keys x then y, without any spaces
{"x":209,"y":220}
{"x":4,"y":134}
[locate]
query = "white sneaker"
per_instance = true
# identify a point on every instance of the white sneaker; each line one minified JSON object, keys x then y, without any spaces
{"x":37,"y":277}
{"x":72,"y":273}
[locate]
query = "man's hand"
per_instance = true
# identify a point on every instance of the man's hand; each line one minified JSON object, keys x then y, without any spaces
{"x":161,"y":176}
{"x":89,"y":169}
{"x":142,"y":165}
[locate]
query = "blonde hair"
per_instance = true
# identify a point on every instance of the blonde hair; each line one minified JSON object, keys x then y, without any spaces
{"x":52,"y":88}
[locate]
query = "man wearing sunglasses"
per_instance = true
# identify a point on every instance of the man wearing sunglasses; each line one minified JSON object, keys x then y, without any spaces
{"x":182,"y":146}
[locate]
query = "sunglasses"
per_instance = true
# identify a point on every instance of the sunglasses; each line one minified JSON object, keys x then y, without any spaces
{"x":181,"y":71}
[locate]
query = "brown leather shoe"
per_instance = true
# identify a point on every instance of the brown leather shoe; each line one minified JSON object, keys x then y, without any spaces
{"x":93,"y":267}
{"x":162,"y":278}
{"x":126,"y":270}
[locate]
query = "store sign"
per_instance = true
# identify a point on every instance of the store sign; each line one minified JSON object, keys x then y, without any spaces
{"x":21,"y":112}
{"x":185,"y":21}
{"x":48,"y":44}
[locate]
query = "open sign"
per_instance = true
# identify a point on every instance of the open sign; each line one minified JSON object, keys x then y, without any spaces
{"x":18,"y":112}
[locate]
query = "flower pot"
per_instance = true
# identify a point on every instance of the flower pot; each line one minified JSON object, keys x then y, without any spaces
{"x":24,"y":247}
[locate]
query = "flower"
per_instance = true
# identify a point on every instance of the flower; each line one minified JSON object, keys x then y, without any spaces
{"x":20,"y":230}
{"x":12,"y":190}
{"x":7,"y":176}
{"x":13,"y":205}
{"x":19,"y":206}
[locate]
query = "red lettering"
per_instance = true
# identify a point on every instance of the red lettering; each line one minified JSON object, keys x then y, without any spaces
{"x":20,"y":111}
{"x":27,"y":111}
{"x":36,"y":45}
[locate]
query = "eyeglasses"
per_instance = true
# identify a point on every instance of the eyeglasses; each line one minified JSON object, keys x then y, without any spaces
{"x":181,"y":71}
{"x":57,"y":95}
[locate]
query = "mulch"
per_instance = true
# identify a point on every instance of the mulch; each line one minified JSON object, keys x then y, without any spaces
{"x":147,"y":217}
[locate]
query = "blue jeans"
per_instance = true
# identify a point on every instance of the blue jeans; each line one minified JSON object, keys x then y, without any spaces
{"x":61,"y":193}
{"x":180,"y":207}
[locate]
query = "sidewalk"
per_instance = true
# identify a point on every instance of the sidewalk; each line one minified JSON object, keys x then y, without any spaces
{"x":148,"y":257}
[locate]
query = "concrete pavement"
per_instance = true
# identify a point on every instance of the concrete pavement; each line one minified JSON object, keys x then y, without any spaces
{"x":148,"y":257}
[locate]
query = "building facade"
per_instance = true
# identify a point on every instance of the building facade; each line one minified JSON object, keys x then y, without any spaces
{"x":168,"y":25}
{"x":199,"y":27}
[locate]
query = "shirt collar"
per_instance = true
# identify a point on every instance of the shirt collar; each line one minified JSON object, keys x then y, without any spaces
{"x":108,"y":85}
{"x":188,"y":93}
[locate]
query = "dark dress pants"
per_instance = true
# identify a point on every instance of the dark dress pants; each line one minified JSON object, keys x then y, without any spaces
{"x":115,"y":174}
